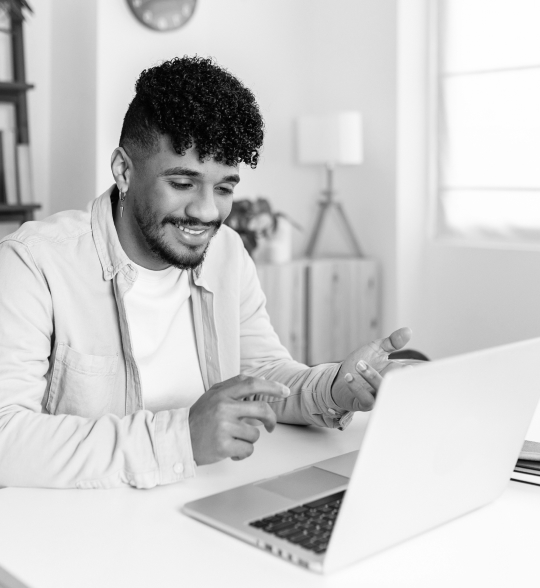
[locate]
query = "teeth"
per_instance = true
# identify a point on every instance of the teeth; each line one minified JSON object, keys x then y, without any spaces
{"x":191,"y":231}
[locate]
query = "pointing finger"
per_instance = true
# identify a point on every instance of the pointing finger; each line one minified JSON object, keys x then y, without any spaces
{"x":246,"y":386}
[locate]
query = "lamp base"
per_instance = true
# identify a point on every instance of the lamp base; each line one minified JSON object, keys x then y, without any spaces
{"x":324,"y":208}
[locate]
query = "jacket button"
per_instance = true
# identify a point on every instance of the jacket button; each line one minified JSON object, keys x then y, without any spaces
{"x":178,"y":468}
{"x":110,"y":268}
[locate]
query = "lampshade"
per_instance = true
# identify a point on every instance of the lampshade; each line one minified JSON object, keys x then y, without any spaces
{"x":330,"y":139}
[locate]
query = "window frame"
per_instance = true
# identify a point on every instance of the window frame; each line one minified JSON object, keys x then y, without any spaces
{"x":436,"y":223}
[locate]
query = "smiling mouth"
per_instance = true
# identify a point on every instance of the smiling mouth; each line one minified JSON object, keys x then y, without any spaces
{"x":196,"y":236}
{"x":191,"y":231}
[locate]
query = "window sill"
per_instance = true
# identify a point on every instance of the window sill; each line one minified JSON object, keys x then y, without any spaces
{"x":488,"y":244}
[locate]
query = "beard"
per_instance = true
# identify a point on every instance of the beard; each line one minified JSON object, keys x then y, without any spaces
{"x":153,"y":231}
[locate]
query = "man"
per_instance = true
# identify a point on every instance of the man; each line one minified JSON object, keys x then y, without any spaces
{"x":131,"y":334}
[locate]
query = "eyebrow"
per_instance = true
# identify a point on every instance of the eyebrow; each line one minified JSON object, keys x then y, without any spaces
{"x":191,"y":173}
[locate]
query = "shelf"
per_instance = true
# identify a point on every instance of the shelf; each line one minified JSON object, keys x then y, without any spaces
{"x":13,"y":208}
{"x":20,"y":213}
{"x":14,"y":87}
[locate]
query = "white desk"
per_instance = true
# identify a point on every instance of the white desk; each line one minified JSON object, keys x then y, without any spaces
{"x":138,"y":538}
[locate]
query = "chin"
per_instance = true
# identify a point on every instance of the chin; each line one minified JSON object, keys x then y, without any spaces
{"x":165,"y":246}
{"x":181,"y":257}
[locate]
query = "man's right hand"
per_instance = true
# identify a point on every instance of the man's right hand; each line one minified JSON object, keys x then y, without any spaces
{"x":219,"y":420}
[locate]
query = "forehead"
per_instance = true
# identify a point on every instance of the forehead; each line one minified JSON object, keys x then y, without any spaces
{"x":165,"y":161}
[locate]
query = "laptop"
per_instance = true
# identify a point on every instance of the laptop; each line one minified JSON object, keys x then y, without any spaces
{"x":442,"y":440}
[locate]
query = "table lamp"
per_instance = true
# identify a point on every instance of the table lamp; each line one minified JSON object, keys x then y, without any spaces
{"x":331,"y":140}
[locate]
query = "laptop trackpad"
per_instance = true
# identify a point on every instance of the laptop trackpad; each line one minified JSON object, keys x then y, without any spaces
{"x":305,"y":483}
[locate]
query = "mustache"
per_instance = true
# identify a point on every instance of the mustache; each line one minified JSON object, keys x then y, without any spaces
{"x":191,"y":222}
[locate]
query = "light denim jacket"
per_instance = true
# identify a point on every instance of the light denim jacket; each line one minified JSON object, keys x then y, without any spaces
{"x":71,"y":405}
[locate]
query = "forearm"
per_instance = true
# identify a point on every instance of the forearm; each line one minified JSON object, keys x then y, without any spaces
{"x":310,"y":402}
{"x":66,"y":451}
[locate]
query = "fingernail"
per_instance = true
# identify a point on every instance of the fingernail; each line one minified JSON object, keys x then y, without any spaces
{"x":286,"y":391}
{"x":361,"y":366}
{"x":348,"y":378}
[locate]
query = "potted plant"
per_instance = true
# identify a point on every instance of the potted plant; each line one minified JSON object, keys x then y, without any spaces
{"x":266,"y":234}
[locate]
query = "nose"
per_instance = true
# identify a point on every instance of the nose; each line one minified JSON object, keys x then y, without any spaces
{"x":203,"y":206}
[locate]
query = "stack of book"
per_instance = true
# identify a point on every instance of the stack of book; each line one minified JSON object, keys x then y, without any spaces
{"x":528,"y":465}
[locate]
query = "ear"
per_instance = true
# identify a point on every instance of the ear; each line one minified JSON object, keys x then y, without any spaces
{"x":122,"y":168}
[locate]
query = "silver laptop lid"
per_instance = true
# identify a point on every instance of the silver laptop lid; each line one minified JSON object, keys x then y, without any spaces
{"x":442,"y":440}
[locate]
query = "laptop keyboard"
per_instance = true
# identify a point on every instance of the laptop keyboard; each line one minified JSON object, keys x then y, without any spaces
{"x":309,"y":525}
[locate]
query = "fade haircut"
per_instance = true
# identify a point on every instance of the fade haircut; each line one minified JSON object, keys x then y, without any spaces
{"x":197,"y":104}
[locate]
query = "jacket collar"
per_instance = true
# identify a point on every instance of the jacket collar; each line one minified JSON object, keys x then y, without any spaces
{"x":111,"y":255}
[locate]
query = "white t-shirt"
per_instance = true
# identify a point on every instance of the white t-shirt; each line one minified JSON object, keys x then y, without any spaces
{"x":160,"y":317}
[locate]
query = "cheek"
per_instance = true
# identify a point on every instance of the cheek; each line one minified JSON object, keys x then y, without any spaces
{"x":224,"y":206}
{"x":155,"y":202}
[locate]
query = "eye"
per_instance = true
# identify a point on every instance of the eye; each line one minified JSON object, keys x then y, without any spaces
{"x":185,"y":185}
{"x":225,"y":190}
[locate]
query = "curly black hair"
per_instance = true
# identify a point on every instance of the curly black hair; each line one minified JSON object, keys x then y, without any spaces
{"x":196,"y":103}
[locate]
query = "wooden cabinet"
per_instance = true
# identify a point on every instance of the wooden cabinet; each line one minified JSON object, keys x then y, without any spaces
{"x":285,"y":290}
{"x":322,"y":309}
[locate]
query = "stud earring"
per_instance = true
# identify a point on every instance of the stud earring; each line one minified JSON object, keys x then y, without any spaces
{"x":122,"y":198}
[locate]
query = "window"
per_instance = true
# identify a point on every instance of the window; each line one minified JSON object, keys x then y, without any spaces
{"x":488,"y":120}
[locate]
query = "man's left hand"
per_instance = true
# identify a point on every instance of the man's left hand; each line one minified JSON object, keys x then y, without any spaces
{"x":358,"y":378}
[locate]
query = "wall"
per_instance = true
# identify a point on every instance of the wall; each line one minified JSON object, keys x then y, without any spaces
{"x":73,"y":103}
{"x":60,"y":51}
{"x":480,"y":297}
{"x":412,"y":197}
{"x":37,"y":37}
{"x":456,"y":299}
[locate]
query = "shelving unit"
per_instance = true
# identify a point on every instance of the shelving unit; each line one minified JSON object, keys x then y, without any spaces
{"x":14,"y":92}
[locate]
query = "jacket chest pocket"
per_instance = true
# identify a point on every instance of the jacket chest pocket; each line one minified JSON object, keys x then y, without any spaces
{"x":81,"y":384}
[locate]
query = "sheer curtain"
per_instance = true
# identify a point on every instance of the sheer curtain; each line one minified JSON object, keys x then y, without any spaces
{"x":488,"y":119}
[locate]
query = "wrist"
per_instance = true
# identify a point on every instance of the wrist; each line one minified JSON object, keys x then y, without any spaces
{"x":335,"y":386}
{"x":336,"y":416}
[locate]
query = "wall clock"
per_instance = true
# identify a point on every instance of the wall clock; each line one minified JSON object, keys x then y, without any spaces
{"x":162,"y":15}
